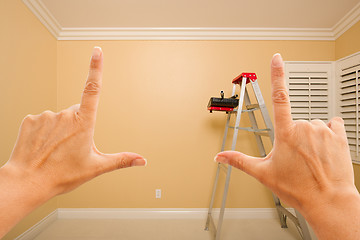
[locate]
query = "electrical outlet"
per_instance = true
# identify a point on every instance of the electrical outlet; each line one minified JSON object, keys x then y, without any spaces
{"x":158,"y":193}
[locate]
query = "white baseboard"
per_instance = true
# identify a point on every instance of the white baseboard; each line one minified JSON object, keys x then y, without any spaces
{"x":32,"y":232}
{"x":146,"y":213}
{"x":164,"y":213}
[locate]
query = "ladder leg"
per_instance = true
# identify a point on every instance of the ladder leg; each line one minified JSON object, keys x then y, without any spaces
{"x":299,"y":219}
{"x":282,"y":217}
{"x":222,"y":209}
{"x":208,"y":220}
{"x":226,"y":132}
{"x":262,"y":151}
{"x":227,"y":181}
{"x":238,"y":115}
{"x":305,"y":233}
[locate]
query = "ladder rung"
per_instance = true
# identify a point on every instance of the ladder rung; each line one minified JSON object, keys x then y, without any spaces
{"x":248,"y":109}
{"x":256,"y":131}
{"x":252,"y":106}
{"x":223,"y":167}
{"x":266,"y":134}
{"x":259,"y":132}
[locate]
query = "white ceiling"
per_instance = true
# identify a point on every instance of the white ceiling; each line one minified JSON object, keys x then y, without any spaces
{"x":309,"y":15}
{"x":200,"y":13}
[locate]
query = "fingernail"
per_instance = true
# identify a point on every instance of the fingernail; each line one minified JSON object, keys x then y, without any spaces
{"x":139,"y":162}
{"x":96,"y":53}
{"x":219,"y":158}
{"x":277,"y":60}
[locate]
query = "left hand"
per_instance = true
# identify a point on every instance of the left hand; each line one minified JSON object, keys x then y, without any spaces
{"x":56,"y":151}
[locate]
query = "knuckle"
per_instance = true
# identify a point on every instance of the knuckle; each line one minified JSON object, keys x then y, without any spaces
{"x":280,"y":96}
{"x":94,"y":64}
{"x":122,"y":162}
{"x":47,"y":114}
{"x":338,"y":119}
{"x":63,"y":115}
{"x":29,"y":119}
{"x":92,"y":88}
{"x":317,"y":122}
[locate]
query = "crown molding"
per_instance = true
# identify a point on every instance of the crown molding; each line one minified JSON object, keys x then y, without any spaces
{"x":194,"y":34}
{"x":61,"y":33}
{"x":349,"y":20}
{"x":43,"y":14}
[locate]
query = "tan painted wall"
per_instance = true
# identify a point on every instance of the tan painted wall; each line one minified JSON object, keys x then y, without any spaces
{"x":346,"y":45}
{"x":28,"y":82}
{"x":154,"y":102}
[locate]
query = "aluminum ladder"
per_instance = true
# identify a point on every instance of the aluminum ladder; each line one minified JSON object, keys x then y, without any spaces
{"x":243,"y":80}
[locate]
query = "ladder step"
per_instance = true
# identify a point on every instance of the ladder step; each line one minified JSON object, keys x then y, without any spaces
{"x":256,"y":131}
{"x":252,"y":109}
{"x":252,"y":106}
{"x":265,"y":134}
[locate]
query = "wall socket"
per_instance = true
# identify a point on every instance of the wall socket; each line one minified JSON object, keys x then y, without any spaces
{"x":158,"y":193}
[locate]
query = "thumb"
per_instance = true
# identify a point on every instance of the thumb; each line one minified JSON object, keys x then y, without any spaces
{"x":250,"y":165}
{"x":111,"y":162}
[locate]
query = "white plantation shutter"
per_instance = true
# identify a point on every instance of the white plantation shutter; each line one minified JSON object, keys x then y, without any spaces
{"x":308,"y":85}
{"x":348,"y":73}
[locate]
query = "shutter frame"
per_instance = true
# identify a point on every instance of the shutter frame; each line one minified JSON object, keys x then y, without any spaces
{"x":313,"y":80}
{"x":348,"y":78}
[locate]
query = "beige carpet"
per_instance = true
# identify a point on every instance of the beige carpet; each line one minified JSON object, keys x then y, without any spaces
{"x":233,"y":229}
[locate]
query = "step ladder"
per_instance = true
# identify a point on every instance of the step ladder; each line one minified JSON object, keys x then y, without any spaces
{"x":243,"y":80}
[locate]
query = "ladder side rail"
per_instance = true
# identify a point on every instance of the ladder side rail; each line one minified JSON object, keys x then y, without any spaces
{"x":222,"y":208}
{"x":217,"y":175}
{"x":233,"y":90}
{"x":239,"y":111}
{"x":209,"y":217}
{"x":227,"y":180}
{"x":302,"y":223}
{"x":262,"y":151}
{"x":263,"y":109}
{"x":225,"y":132}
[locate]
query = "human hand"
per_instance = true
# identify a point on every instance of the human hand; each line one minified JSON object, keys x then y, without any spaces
{"x":56,"y":151}
{"x":310,"y":165}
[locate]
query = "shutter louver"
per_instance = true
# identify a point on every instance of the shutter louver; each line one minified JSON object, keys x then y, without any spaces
{"x":308,"y":93}
{"x":349,"y":104}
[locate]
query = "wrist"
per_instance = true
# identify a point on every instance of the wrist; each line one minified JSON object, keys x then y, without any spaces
{"x":332,"y":210}
{"x":23,"y":186}
{"x":19,"y":196}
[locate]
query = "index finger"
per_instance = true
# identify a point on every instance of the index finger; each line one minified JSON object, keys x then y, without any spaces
{"x":91,"y":94}
{"x":280,"y":96}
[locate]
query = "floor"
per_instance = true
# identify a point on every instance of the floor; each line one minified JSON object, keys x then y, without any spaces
{"x":177,"y":229}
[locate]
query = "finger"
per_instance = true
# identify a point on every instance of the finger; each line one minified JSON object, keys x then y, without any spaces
{"x":336,"y":124}
{"x":280,"y":96}
{"x":249,"y":165}
{"x":91,"y":93}
{"x":111,"y":162}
